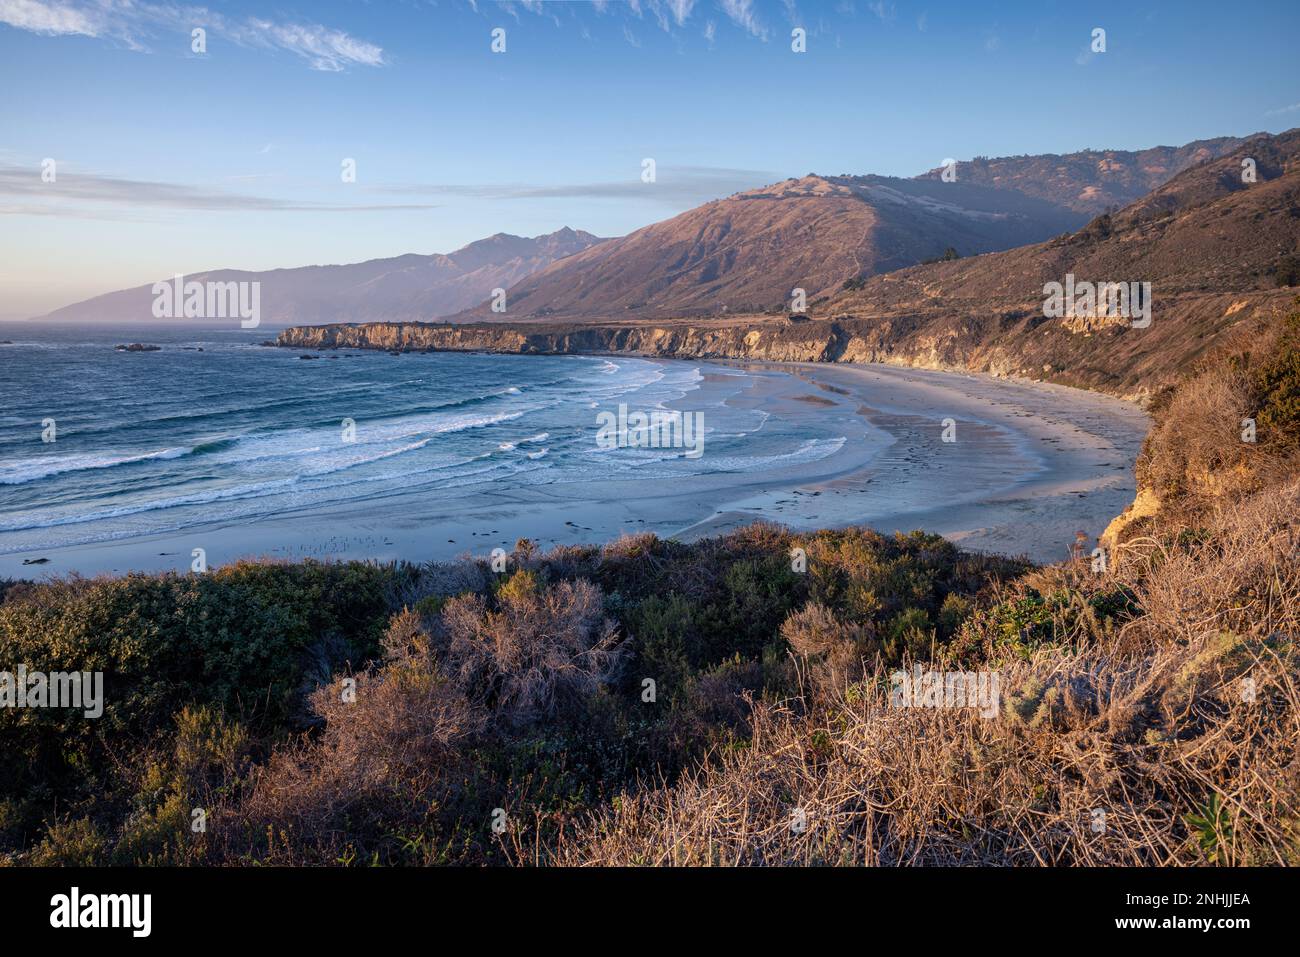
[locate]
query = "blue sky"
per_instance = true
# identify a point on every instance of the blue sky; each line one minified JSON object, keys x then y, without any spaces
{"x":168,"y":161}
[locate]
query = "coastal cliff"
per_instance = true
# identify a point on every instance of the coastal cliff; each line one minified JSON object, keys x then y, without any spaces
{"x":1021,"y":342}
{"x":811,"y":341}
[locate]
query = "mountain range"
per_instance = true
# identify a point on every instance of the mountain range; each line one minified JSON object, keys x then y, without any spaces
{"x":1206,"y":230}
{"x":409,"y":287}
{"x":748,"y":252}
{"x":846,"y":241}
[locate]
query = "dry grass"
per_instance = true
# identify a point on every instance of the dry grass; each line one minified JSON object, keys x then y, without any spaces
{"x":1237,"y":575}
{"x":1183,"y":730}
{"x":1197,"y":453}
{"x":543,"y":650}
{"x":1197,"y":449}
{"x":390,"y":776}
{"x":391,"y":742}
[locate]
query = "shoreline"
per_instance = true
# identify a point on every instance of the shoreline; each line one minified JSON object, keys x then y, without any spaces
{"x":1086,"y":444}
{"x":1032,"y":465}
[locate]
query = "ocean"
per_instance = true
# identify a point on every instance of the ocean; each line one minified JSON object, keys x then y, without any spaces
{"x":218,"y":427}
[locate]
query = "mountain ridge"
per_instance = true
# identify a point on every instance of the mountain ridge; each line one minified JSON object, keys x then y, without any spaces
{"x":747,"y":252}
{"x":1091,"y":181}
{"x":733,"y":255}
{"x":410,"y":286}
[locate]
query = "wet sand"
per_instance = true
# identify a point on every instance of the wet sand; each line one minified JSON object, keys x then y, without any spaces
{"x":975,"y":490}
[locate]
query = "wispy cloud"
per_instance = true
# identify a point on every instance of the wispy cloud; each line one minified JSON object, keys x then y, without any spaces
{"x":674,"y":186}
{"x":47,"y":18}
{"x":672,"y":15}
{"x":77,"y":195}
{"x":883,"y":11}
{"x":134,"y":24}
{"x":742,"y":14}
{"x":681,"y":10}
{"x":1285,"y":109}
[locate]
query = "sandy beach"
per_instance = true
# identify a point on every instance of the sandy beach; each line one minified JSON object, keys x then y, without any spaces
{"x":974,"y":490}
{"x":1029,"y":466}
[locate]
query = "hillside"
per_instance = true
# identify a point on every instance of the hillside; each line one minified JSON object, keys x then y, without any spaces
{"x":1216,"y":251}
{"x":403,"y":287}
{"x":1089,"y":181}
{"x":747,"y":252}
{"x":1205,"y":231}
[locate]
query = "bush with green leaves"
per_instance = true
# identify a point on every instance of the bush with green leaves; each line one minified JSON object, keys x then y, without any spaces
{"x":250,"y":639}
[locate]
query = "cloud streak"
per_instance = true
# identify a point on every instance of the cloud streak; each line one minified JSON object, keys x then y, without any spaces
{"x":48,"y":19}
{"x":91,"y":196}
{"x":79,"y":195}
{"x":674,"y":186}
{"x":742,"y":14}
{"x":135,"y":23}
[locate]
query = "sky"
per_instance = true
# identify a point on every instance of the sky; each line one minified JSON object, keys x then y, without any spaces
{"x":166,"y":160}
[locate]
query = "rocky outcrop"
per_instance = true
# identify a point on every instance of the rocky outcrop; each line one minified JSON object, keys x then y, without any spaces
{"x":1145,"y":505}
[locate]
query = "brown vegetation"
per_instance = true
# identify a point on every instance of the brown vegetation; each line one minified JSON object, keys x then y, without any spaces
{"x":1147,"y":748}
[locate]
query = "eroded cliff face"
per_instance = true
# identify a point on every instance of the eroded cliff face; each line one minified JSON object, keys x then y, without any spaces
{"x":1109,"y":357}
{"x":846,"y":340}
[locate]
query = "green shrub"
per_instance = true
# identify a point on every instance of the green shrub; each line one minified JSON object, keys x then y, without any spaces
{"x":667,"y":644}
{"x":522,"y":691}
{"x":1277,"y":380}
{"x":75,"y":843}
{"x":249,"y":639}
